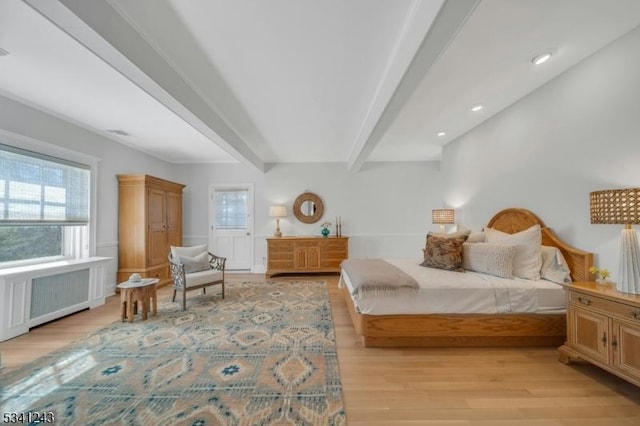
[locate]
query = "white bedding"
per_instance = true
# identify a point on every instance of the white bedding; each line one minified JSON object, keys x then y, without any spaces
{"x":446,"y":292}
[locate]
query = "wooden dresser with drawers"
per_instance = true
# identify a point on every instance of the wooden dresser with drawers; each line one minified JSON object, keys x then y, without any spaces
{"x":299,"y":255}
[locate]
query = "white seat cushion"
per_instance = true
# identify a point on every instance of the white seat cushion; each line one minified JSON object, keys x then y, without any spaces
{"x":203,"y":277}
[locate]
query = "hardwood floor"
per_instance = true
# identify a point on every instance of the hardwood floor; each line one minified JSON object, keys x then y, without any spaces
{"x":430,"y":386}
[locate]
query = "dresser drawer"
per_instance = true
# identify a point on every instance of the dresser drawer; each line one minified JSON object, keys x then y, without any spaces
{"x":610,"y":307}
{"x":280,"y":247}
{"x":306,"y":243}
{"x":280,"y":264}
{"x":340,"y":245}
{"x":279,"y":255}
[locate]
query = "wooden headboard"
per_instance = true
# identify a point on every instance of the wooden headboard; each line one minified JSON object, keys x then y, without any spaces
{"x":515,"y":220}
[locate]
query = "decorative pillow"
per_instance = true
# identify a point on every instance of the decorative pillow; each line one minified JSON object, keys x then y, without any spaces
{"x":464,"y":233}
{"x":527,"y":261}
{"x":195,"y":264}
{"x":492,"y":259}
{"x":176,"y":252}
{"x":444,"y":253}
{"x":459,"y":233}
{"x":476,"y":237}
{"x":554,"y":266}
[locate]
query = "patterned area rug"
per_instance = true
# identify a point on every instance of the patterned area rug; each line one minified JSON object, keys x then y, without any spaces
{"x":264,"y":355}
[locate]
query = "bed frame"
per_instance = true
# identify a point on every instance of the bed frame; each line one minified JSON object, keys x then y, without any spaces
{"x":477,"y":329}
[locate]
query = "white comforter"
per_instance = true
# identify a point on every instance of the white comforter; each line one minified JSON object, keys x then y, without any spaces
{"x":455,"y":292}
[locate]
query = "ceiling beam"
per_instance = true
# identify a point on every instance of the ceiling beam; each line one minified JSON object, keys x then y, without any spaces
{"x":97,"y":26}
{"x":424,"y":38}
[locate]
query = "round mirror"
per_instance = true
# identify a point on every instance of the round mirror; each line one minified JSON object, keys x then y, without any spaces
{"x":308,"y":208}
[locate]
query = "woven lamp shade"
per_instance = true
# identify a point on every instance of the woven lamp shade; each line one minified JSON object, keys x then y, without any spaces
{"x":442,"y":216}
{"x":616,"y":206}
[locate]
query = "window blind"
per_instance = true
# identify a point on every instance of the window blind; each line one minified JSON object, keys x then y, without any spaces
{"x":40,"y":189}
{"x":231,"y":209}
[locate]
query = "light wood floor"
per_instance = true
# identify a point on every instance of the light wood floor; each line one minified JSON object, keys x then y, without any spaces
{"x":431,"y":386}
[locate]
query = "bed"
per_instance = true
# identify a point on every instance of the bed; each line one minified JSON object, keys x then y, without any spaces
{"x":545,"y":326}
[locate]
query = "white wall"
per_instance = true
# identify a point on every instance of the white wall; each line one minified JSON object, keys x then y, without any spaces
{"x":115,"y":158}
{"x":578,"y":133}
{"x":385,"y":208}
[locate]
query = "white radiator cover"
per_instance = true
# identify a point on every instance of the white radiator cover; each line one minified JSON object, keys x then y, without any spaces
{"x":36,"y":294}
{"x":55,"y":292}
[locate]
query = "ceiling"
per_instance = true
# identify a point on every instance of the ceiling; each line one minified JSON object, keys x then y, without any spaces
{"x":262,"y":82}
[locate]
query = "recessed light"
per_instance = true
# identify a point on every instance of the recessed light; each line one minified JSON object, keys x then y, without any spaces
{"x":476,"y":108}
{"x":441,"y":134}
{"x":541,"y":59}
{"x":3,"y":52}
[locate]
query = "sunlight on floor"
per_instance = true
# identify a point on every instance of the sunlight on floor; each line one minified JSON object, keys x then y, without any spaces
{"x":22,"y":395}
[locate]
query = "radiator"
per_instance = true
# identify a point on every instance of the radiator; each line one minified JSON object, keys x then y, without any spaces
{"x":55,"y":292}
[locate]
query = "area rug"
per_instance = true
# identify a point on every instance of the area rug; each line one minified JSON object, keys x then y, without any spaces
{"x":264,"y":355}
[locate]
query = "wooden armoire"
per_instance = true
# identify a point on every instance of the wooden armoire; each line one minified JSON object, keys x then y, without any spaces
{"x":149,"y":222}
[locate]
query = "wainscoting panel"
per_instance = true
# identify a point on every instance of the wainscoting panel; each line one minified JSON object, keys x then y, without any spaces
{"x":109,"y":249}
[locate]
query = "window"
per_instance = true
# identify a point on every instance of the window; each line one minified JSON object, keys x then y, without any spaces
{"x":231,"y":209}
{"x":44,"y":206}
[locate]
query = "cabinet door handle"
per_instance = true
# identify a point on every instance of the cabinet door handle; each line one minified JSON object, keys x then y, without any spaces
{"x":604,"y":339}
{"x":635,"y":314}
{"x":584,"y":301}
{"x":615,"y":342}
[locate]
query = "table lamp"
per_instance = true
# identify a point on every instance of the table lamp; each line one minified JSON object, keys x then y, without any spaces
{"x":442,"y":217}
{"x":621,"y":207}
{"x":277,"y":212}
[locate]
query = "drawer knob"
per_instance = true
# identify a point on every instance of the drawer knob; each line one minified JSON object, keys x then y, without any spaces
{"x":635,"y":314}
{"x":584,"y":300}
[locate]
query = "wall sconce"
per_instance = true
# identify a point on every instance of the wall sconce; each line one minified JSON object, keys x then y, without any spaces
{"x":278,"y":212}
{"x":443,"y":217}
{"x":620,"y":206}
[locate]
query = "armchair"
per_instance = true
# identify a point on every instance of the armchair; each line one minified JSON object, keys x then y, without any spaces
{"x":194,"y":268}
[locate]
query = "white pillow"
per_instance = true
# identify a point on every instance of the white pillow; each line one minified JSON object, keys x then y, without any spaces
{"x":554,"y":266}
{"x":195,"y":264}
{"x":177,"y":252}
{"x":492,"y":259}
{"x":527,"y":261}
{"x":476,"y":237}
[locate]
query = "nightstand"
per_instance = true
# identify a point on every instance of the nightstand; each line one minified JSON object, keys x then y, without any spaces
{"x":603,"y":328}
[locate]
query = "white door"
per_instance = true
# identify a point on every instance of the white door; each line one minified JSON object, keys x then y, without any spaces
{"x":231,"y":224}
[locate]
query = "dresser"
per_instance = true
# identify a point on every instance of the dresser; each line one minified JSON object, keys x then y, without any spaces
{"x":603,"y":328}
{"x":299,"y":255}
{"x":149,"y":222}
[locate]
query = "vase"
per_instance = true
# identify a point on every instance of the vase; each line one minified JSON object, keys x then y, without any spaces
{"x":325,"y":232}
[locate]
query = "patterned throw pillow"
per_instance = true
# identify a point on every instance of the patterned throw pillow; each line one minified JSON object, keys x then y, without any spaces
{"x":492,"y":259}
{"x":195,"y":264}
{"x":527,"y":261}
{"x":444,"y":252}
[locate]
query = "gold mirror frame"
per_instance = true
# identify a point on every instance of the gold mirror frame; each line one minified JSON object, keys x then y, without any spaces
{"x":297,"y":208}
